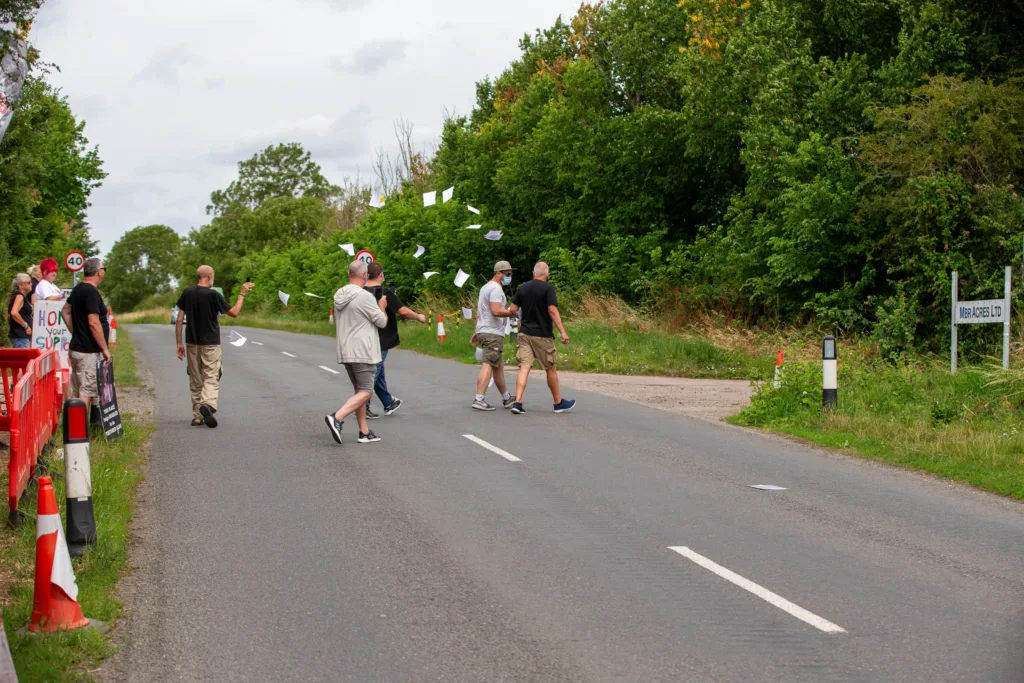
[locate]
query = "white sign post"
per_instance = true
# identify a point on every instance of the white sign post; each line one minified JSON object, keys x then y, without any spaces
{"x":981,"y":312}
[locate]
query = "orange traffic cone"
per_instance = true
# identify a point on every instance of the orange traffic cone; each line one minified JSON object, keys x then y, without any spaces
{"x":54,"y":604}
{"x":440,"y":328}
{"x":330,"y":318}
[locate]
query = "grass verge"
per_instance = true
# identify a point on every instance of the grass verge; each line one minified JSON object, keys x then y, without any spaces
{"x":968,"y":427}
{"x":116,"y":472}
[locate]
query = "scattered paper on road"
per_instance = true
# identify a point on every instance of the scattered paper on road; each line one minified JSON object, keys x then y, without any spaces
{"x":236,"y":339}
{"x":767,"y":487}
{"x":429,"y":198}
{"x":473,"y":210}
{"x":283,"y":297}
{"x":467,"y":313}
{"x":474,"y":227}
{"x":430,"y":274}
{"x":315,"y":296}
{"x":349,"y":249}
{"x":493,"y":235}
{"x":420,"y":250}
{"x":447,"y":195}
{"x":460,"y":278}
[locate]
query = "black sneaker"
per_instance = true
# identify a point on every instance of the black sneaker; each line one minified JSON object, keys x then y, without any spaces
{"x":207,"y":413}
{"x":334,"y":426}
{"x":565,"y":406}
{"x":518,"y":409}
{"x":369,"y":437}
{"x":395,"y":405}
{"x":370,"y":415}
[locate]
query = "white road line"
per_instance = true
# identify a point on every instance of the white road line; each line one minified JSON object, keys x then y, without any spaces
{"x":333,"y":372}
{"x":761,"y":592}
{"x":258,"y":343}
{"x":494,"y":449}
{"x":289,"y":355}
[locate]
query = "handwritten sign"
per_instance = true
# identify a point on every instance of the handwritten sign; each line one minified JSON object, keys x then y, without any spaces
{"x":49,"y":330}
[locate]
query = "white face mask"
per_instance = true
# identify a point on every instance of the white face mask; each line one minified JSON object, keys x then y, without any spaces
{"x":507,"y":280}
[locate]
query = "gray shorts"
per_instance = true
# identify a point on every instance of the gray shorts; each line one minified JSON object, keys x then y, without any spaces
{"x":362,"y":376}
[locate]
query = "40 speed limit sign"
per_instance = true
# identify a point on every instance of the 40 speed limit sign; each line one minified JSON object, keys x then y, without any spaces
{"x":74,"y":261}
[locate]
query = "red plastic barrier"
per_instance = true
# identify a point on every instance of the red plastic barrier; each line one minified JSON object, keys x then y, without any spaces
{"x":33,"y":410}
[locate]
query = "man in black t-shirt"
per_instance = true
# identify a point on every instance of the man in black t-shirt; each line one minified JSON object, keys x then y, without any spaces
{"x":388,"y":336}
{"x":86,"y":317}
{"x":201,"y":305}
{"x":539,"y":305}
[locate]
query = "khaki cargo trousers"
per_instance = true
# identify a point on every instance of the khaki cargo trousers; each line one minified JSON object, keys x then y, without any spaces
{"x":203,"y":375}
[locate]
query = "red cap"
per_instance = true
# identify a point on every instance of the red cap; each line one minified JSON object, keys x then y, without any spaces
{"x":48,"y":265}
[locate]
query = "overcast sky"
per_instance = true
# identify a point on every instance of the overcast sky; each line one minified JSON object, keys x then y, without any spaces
{"x":177,"y":92}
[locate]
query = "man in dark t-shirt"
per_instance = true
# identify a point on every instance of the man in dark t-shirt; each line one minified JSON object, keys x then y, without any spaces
{"x":538,"y":303}
{"x":388,"y":335}
{"x":200,"y":304}
{"x":86,"y":317}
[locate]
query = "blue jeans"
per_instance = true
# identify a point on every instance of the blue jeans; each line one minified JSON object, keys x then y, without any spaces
{"x":21,"y":343}
{"x":380,"y":383}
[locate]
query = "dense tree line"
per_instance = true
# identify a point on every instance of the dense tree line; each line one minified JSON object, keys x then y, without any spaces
{"x":779,"y":160}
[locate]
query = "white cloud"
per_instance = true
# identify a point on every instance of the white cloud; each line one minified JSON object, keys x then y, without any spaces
{"x":175,"y":94}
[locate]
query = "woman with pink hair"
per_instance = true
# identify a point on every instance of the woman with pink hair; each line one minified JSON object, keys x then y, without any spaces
{"x":46,"y":290}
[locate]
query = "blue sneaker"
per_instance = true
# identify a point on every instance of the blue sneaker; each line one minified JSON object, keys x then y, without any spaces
{"x":518,"y":409}
{"x":565,"y":406}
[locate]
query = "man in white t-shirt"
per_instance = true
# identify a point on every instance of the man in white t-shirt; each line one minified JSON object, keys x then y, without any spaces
{"x":491,"y":315}
{"x":46,"y":290}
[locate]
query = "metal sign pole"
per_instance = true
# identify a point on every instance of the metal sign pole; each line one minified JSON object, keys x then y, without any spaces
{"x":1006,"y":320}
{"x":952,"y":346}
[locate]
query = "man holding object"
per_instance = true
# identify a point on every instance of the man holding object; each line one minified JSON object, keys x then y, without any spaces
{"x":201,"y":305}
{"x":491,"y":316}
{"x":86,"y":317}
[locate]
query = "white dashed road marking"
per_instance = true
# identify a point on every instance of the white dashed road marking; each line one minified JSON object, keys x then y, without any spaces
{"x":494,"y":449}
{"x":333,"y":372}
{"x":289,"y":354}
{"x":258,"y":343}
{"x":761,"y":592}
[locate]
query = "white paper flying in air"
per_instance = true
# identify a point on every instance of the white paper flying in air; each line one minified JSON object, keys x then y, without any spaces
{"x":429,"y":198}
{"x":767,"y":487}
{"x":377,"y":200}
{"x":315,"y":296}
{"x":447,"y":195}
{"x":283,"y":297}
{"x":479,"y":353}
{"x":474,"y":227}
{"x":460,"y":278}
{"x":491,"y":383}
{"x":473,"y":210}
{"x":508,"y":327}
{"x":236,"y":339}
{"x":467,"y":313}
{"x":420,"y":250}
{"x":349,"y":249}
{"x":430,"y":274}
{"x":493,"y":235}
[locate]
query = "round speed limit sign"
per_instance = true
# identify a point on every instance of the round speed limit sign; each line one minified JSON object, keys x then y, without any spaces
{"x":74,"y":261}
{"x":365,"y":256}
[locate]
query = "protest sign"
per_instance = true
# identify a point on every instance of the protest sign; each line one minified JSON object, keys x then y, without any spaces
{"x":109,"y":413}
{"x":49,"y":330}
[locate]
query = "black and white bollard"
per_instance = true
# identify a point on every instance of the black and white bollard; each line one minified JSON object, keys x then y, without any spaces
{"x":78,"y":478}
{"x":828,"y":373}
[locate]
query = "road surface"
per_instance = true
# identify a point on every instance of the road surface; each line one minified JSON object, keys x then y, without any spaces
{"x":615,"y":543}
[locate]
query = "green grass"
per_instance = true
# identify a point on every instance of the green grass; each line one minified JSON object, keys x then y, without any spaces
{"x":116,"y":472}
{"x":919,"y":416}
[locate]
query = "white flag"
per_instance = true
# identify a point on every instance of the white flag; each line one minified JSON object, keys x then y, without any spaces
{"x":447,"y":195}
{"x":473,"y":210}
{"x":236,"y":339}
{"x":467,"y":313}
{"x":460,"y":278}
{"x":283,"y":297}
{"x":349,"y":249}
{"x":430,"y":274}
{"x":420,"y":250}
{"x":493,"y":235}
{"x":429,"y":198}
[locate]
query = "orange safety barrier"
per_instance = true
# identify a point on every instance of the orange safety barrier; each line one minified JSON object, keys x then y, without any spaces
{"x":33,"y":412}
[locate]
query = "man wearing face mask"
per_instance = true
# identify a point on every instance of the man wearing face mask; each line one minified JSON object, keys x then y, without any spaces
{"x":492,"y":312}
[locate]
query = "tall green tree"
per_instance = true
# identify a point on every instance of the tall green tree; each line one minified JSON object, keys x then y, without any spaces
{"x":140,"y":264}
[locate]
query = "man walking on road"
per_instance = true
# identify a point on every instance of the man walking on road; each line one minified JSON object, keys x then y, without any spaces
{"x":388,"y":335}
{"x":491,"y":316}
{"x":86,"y":317}
{"x":357,"y":317}
{"x":200,"y":304}
{"x":539,"y":304}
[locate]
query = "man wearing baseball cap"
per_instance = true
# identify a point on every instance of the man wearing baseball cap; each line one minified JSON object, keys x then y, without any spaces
{"x":492,"y":312}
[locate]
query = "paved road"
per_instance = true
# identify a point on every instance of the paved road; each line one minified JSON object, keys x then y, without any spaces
{"x":280,"y":556}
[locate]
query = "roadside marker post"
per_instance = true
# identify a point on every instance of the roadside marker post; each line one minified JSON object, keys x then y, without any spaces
{"x":777,"y":382}
{"x":829,"y":374}
{"x":981,"y":312}
{"x":78,"y":478}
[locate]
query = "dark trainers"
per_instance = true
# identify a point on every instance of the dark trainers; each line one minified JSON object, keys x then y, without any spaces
{"x":334,"y":426}
{"x":208,"y":418}
{"x":518,"y":409}
{"x":370,"y":415}
{"x":369,"y":437}
{"x":482,"y":405}
{"x":507,"y":403}
{"x":395,"y":405}
{"x":565,"y":406}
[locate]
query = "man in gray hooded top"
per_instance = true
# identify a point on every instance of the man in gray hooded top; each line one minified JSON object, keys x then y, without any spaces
{"x":357,"y":317}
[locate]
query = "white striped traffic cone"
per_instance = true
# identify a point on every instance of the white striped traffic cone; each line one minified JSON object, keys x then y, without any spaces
{"x":55,"y":601}
{"x":440,"y":328}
